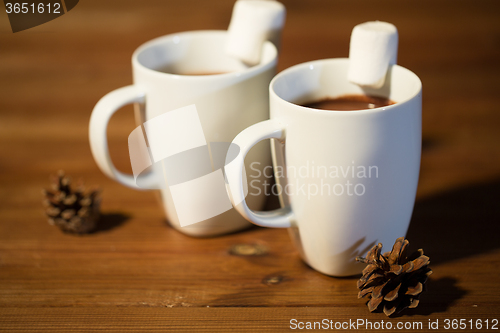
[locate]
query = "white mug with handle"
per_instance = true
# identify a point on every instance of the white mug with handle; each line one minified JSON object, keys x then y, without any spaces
{"x":347,"y":179}
{"x":179,"y":70}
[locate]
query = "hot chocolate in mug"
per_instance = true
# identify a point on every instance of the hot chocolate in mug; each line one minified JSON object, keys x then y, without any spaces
{"x":347,"y":179}
{"x":183,"y":69}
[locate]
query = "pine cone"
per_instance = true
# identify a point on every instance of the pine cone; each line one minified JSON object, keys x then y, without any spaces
{"x":393,"y":280}
{"x":72,"y":211}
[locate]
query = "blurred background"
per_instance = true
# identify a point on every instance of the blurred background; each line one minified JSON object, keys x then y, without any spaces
{"x":67,"y":64}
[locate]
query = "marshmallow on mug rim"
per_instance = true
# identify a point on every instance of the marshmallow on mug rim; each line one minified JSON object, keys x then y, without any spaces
{"x":252,"y":23}
{"x":373,"y":48}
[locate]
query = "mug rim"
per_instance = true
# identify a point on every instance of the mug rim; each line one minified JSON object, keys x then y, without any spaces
{"x":261,"y":67}
{"x":298,"y":67}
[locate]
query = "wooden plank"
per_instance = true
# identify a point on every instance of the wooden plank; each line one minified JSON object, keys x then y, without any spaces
{"x":122,"y":319}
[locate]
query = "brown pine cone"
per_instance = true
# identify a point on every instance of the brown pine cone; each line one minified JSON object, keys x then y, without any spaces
{"x":72,"y":211}
{"x":392,"y":280}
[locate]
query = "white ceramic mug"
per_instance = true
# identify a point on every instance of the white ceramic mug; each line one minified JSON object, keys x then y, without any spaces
{"x":335,"y":214}
{"x":226,"y":103}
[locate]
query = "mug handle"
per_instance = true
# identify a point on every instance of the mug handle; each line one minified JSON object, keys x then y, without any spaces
{"x":99,"y":120}
{"x":268,"y":129}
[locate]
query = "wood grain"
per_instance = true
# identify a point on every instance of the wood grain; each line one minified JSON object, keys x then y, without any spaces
{"x":136,"y":273}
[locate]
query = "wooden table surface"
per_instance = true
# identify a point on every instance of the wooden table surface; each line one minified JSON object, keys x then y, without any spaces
{"x":137,"y":273}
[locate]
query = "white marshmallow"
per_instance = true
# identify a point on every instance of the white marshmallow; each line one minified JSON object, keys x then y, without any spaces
{"x":374,"y":47}
{"x":252,"y":23}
